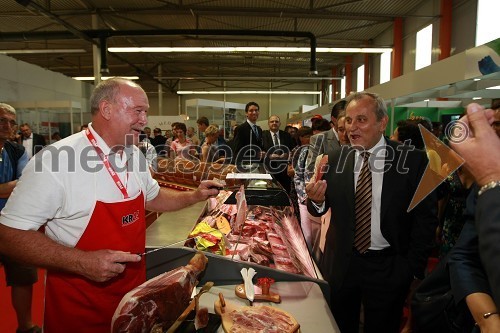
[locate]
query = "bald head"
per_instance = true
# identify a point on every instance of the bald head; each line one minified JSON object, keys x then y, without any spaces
{"x":107,"y":91}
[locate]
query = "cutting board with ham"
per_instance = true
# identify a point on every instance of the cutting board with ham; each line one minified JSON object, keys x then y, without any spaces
{"x":255,"y":318}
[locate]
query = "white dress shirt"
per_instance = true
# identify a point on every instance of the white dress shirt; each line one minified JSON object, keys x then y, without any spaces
{"x":28,"y":145}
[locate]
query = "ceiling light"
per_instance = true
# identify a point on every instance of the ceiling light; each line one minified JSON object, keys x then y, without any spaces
{"x":476,"y":98}
{"x":249,"y":49}
{"x":247,"y":92}
{"x":39,"y":51}
{"x":494,"y":87}
{"x":91,"y":78}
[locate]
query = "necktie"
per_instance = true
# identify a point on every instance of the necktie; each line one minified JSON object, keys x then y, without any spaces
{"x":256,"y":132}
{"x":275,"y":139}
{"x":363,"y":207}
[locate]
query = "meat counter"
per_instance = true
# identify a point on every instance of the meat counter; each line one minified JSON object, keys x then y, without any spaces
{"x":260,"y":230}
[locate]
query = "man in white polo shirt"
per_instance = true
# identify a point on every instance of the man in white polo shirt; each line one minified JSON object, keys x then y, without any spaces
{"x":90,"y":191}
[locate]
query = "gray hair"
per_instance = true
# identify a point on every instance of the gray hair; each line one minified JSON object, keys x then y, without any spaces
{"x":7,"y":108}
{"x":379,"y":103}
{"x":106,"y":91}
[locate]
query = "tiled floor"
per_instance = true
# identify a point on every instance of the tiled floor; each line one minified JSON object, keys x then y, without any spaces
{"x":173,"y":228}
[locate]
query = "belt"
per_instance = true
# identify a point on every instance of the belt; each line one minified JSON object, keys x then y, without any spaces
{"x":386,"y":252}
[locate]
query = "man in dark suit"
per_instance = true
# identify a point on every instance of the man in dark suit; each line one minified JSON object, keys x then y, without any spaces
{"x":248,"y":139}
{"x":324,"y":143}
{"x":277,"y":144}
{"x":374,"y":247}
{"x":31,"y":141}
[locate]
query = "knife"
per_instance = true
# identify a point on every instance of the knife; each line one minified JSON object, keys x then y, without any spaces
{"x":172,"y":244}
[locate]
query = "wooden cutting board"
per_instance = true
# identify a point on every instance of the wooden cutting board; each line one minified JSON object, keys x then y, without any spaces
{"x":227,"y":321}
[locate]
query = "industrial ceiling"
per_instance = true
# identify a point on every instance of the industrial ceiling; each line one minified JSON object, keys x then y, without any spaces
{"x":78,"y":24}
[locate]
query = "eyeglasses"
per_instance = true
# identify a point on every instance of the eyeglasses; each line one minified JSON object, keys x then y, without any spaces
{"x":4,"y":121}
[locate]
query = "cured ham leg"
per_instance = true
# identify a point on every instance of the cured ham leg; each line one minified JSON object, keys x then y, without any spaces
{"x":158,"y":301}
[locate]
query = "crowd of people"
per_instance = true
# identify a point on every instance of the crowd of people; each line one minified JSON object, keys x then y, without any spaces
{"x":369,"y":246}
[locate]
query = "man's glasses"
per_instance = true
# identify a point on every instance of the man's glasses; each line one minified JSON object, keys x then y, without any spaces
{"x":4,"y":121}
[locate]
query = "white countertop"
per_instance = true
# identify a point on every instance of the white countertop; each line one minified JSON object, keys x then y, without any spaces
{"x":303,"y":300}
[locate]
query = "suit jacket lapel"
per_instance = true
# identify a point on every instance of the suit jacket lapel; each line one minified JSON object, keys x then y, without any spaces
{"x":345,"y":172}
{"x":390,"y":178}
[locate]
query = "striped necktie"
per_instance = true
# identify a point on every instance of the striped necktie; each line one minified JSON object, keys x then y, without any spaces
{"x":275,"y":139}
{"x":363,"y":207}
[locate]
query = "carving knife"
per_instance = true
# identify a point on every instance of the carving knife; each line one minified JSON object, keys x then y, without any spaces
{"x":175,"y":243}
{"x":169,"y":245}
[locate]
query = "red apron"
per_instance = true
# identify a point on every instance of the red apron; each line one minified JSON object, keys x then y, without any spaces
{"x":76,"y":304}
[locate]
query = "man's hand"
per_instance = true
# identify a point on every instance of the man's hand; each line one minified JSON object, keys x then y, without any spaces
{"x":316,"y":191}
{"x":209,"y":188}
{"x":104,"y":265}
{"x":481,"y":147}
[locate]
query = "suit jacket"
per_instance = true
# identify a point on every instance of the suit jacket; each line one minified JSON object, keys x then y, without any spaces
{"x":410,"y":235}
{"x":321,"y":143}
{"x":487,"y":222}
{"x":38,"y":143}
{"x":278,"y":167}
{"x":245,"y":134}
{"x":284,"y":137}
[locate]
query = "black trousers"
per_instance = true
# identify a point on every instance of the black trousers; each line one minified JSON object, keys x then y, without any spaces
{"x":380,"y":281}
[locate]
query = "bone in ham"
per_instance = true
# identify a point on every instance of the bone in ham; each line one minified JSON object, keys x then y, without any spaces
{"x":158,"y":301}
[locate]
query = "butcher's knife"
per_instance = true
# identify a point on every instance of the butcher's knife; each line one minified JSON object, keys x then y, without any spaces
{"x":177,"y":243}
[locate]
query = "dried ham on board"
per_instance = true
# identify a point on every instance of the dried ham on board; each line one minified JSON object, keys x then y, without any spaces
{"x":158,"y":301}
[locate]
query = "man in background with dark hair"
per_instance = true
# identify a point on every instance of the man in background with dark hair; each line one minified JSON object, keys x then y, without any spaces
{"x":158,"y":141}
{"x":202,"y":123}
{"x":248,"y":139}
{"x":325,"y":142}
{"x":31,"y":141}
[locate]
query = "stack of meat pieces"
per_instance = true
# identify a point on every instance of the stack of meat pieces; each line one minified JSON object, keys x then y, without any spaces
{"x":263,"y":244}
{"x":158,"y":302}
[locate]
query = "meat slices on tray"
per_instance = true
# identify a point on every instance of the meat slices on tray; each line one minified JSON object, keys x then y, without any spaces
{"x":249,"y":319}
{"x":159,"y":300}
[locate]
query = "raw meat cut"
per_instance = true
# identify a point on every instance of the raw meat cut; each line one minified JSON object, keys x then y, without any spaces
{"x":158,"y":301}
{"x":248,"y":319}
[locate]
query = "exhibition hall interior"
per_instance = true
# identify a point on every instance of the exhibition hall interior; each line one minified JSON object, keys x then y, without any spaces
{"x":202,"y":166}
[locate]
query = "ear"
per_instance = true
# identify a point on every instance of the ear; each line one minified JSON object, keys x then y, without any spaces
{"x":383,"y":123}
{"x":105,"y":109}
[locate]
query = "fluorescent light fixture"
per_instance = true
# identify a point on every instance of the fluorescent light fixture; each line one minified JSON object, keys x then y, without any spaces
{"x":477,"y":79}
{"x":91,"y":78}
{"x":426,"y":100}
{"x":476,"y":98}
{"x":40,"y":51}
{"x":250,"y":49}
{"x":247,"y":92}
{"x":494,"y":87}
